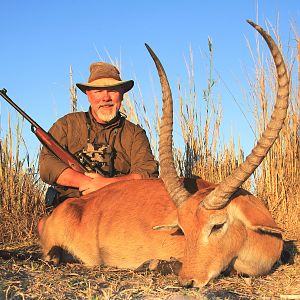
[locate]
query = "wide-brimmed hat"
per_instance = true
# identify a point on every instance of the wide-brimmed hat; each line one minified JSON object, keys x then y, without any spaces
{"x":104,"y":75}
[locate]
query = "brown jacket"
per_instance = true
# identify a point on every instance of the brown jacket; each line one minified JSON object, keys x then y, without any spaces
{"x":133,"y":152}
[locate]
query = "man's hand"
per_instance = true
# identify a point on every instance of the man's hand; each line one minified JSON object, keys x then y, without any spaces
{"x":90,"y":182}
{"x":97,"y":182}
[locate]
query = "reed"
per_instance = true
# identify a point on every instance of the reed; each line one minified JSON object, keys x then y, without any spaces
{"x":21,"y":191}
{"x":204,"y":154}
{"x":277,"y":180}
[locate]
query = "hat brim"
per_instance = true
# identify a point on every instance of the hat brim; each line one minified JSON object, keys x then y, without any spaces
{"x":125,"y":84}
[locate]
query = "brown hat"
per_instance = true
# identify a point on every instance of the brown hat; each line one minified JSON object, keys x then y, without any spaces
{"x":104,"y":75}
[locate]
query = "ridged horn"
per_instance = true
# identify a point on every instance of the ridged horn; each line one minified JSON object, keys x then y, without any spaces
{"x":168,"y":172}
{"x":219,"y":197}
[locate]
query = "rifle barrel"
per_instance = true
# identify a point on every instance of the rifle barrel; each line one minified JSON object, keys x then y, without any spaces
{"x":3,"y":93}
{"x":47,"y":139}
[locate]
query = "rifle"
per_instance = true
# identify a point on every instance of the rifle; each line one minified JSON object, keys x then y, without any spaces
{"x":49,"y":141}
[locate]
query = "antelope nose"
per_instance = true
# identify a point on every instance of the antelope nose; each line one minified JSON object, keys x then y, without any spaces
{"x":188,"y":283}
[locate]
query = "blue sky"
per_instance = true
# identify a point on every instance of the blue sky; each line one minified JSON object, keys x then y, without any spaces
{"x":41,"y":39}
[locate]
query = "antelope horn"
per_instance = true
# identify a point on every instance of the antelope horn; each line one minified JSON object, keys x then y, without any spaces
{"x":168,"y":172}
{"x":219,"y":197}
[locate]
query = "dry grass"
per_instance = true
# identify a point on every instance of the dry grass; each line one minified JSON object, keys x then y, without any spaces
{"x":21,"y":191}
{"x":23,"y":275}
{"x":277,"y":180}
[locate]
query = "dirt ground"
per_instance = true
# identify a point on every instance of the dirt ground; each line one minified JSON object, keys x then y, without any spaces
{"x":24,"y":275}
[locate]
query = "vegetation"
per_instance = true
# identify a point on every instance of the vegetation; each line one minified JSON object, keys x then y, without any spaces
{"x":21,"y":191}
{"x":277,"y":181}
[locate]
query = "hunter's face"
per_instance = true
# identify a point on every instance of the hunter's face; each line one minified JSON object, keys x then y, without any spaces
{"x":105,"y":103}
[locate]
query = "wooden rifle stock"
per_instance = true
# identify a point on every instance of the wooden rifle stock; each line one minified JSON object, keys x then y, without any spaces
{"x":47,"y":139}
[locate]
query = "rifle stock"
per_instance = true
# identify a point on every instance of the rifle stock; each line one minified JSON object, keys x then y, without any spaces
{"x":47,"y":139}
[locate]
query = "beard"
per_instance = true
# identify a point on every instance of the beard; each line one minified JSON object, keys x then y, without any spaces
{"x":105,"y":114}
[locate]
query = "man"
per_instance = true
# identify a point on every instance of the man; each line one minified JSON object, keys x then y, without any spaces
{"x":102,"y":136}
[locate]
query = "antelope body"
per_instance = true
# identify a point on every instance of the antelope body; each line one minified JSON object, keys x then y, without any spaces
{"x":128,"y":223}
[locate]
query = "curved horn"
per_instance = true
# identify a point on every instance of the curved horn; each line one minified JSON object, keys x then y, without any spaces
{"x":221,"y":195}
{"x":168,"y":172}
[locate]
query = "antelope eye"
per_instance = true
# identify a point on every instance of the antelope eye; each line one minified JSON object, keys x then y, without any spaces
{"x":178,"y":232}
{"x":217,"y":227}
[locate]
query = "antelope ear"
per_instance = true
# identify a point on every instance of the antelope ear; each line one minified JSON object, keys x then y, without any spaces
{"x":173,"y":229}
{"x":170,"y":222}
{"x":166,"y":227}
{"x":252,"y":212}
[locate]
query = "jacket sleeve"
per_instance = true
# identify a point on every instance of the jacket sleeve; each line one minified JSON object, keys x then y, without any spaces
{"x":142,"y":159}
{"x":49,"y":165}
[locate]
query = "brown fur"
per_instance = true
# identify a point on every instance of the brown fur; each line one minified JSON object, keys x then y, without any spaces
{"x":115,"y":226}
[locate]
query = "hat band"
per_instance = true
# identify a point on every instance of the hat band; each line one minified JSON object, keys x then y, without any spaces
{"x":106,"y":83}
{"x":103,"y":82}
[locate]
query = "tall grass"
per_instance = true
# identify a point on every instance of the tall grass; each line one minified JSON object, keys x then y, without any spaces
{"x":203,"y":154}
{"x":277,"y":180}
{"x":21,"y":191}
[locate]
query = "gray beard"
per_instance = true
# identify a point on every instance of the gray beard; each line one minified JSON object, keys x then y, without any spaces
{"x":106,"y":117}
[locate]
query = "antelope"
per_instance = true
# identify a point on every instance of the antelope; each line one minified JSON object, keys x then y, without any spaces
{"x":206,"y":227}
